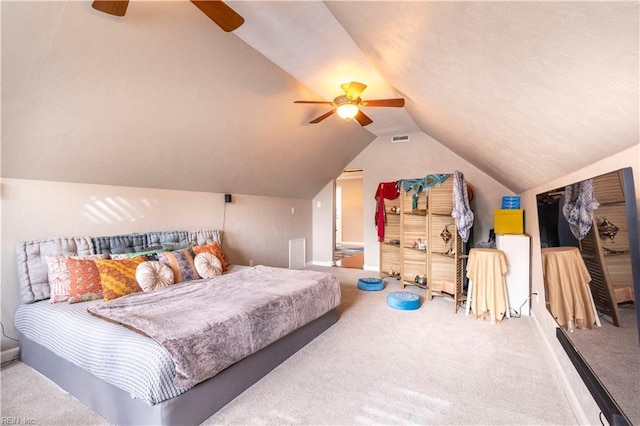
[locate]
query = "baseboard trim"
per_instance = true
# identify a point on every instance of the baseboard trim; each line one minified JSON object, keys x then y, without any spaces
{"x":578,"y":411}
{"x":9,"y":354}
{"x":371,"y":268}
{"x":318,"y":263}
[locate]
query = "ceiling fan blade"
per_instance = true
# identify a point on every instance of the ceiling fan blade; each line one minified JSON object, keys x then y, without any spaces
{"x":362,"y":118}
{"x":399,"y":102}
{"x":353,"y":90}
{"x":225,"y":17}
{"x":115,"y":7}
{"x":312,"y":102}
{"x":323,"y":116}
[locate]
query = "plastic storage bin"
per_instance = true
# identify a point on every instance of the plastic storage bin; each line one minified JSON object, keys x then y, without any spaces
{"x":510,"y":202}
{"x":508,"y":221}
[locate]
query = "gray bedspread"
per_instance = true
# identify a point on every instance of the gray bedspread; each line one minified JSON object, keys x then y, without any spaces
{"x":207,"y":325}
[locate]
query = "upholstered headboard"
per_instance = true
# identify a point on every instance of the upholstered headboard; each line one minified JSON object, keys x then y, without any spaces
{"x":198,"y":238}
{"x":118,"y":244}
{"x":31,"y":256}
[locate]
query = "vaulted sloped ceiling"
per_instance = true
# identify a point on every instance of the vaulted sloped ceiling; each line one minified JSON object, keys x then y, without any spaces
{"x":161,"y":98}
{"x":526,"y":91}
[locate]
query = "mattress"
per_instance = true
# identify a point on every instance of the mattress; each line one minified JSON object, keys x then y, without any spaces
{"x":129,"y":360}
{"x":115,"y":354}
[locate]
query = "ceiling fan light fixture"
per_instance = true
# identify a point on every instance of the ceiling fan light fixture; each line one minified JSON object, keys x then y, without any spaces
{"x":347,"y":111}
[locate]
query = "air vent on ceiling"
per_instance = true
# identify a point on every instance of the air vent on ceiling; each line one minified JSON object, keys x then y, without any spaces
{"x":400,"y":138}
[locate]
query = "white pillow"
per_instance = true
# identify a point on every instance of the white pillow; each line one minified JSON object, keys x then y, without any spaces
{"x":153,"y":274}
{"x":207,"y":265}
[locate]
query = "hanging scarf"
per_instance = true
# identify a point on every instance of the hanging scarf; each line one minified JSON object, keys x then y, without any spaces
{"x":389,"y":191}
{"x":579,"y":204}
{"x":461,"y":211}
{"x":422,"y":184}
{"x":416,"y":185}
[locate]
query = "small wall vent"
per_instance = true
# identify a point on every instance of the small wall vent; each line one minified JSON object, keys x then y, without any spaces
{"x":400,"y":138}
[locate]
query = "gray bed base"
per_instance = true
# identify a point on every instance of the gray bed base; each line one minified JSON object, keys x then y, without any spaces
{"x":190,"y":408}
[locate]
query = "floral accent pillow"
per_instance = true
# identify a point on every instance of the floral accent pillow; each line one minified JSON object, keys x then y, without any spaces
{"x":84,"y":280}
{"x":181,"y":263}
{"x":118,"y":277}
{"x":59,"y":275}
{"x":215,"y":249}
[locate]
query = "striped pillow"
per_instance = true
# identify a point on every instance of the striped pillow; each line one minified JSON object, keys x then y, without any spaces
{"x":118,"y":277}
{"x":181,"y":263}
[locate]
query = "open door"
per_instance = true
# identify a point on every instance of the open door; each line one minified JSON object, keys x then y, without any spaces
{"x":349,"y":220}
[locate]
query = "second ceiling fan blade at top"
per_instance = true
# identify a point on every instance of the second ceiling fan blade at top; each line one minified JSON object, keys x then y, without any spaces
{"x":216,"y":10}
{"x":225,"y":17}
{"x":116,"y":8}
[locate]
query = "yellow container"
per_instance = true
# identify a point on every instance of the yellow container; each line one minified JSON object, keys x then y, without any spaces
{"x":508,"y":221}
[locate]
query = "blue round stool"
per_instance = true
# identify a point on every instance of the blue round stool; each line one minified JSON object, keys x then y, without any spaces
{"x":403,"y":300}
{"x":370,"y":284}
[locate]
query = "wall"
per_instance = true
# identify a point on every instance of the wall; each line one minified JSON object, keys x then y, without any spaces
{"x":255,"y":228}
{"x":383,"y":161}
{"x":352,"y":210}
{"x":585,"y":407}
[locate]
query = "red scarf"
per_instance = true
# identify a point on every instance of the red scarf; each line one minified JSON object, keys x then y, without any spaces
{"x":389,"y":191}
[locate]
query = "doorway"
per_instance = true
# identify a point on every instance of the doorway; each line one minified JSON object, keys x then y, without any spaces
{"x":349,"y":215}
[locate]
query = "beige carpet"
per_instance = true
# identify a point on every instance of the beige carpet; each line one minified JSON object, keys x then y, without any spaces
{"x":377,"y":365}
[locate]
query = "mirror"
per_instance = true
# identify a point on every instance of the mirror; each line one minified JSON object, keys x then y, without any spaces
{"x":592,"y":226}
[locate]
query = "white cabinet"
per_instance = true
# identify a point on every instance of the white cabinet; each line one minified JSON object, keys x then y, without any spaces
{"x":517,"y":249}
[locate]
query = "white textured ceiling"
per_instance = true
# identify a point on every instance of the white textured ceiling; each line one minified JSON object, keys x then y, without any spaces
{"x":526,"y":91}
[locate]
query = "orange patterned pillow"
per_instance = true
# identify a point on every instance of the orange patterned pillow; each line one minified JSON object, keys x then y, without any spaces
{"x":58,"y":273}
{"x":118,"y":277}
{"x":84,"y":280}
{"x":215,"y":249}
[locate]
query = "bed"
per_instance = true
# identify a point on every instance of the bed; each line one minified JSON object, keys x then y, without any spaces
{"x":130,"y":378}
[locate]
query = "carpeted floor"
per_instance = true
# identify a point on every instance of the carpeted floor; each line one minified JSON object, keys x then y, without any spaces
{"x":376,"y":365}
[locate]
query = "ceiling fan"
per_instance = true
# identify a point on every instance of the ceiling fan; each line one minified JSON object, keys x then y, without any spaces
{"x":348,"y":105}
{"x":225,"y":17}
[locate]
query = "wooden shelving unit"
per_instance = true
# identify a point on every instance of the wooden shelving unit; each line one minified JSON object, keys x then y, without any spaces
{"x":413,"y":229}
{"x":438,"y":265}
{"x":446,"y":269}
{"x":390,"y":253}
